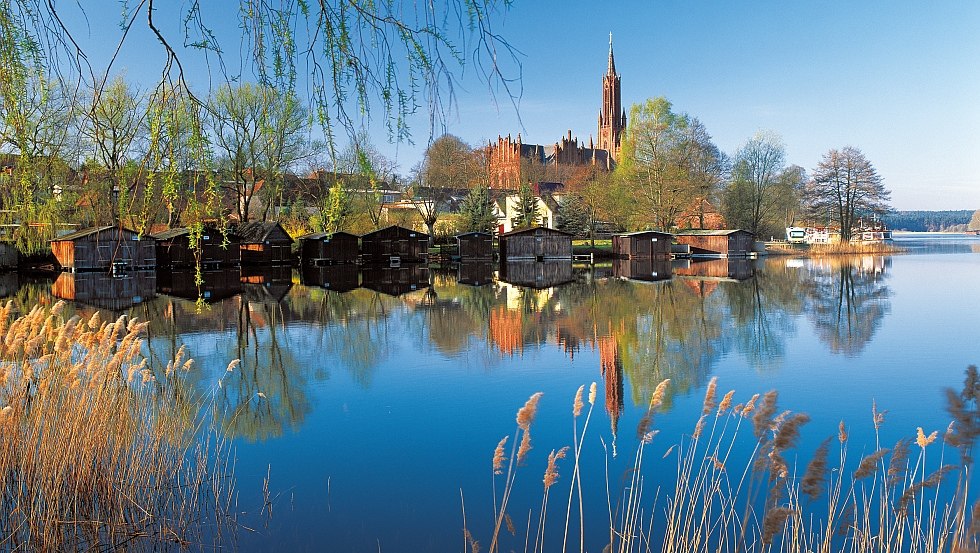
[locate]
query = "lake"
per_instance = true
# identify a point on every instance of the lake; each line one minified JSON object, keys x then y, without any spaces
{"x":370,"y":405}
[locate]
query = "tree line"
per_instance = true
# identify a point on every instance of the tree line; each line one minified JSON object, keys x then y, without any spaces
{"x":933,"y":221}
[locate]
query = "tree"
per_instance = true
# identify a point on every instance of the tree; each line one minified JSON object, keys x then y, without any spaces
{"x":449,"y":166}
{"x":477,"y":213}
{"x":655,"y":167}
{"x":974,"y":221}
{"x":112,"y":127}
{"x":573,"y":216}
{"x":527,"y":212}
{"x":261,"y":132}
{"x":39,"y":126}
{"x":706,"y":167}
{"x":761,"y":187}
{"x":845,"y":187}
{"x":393,"y":55}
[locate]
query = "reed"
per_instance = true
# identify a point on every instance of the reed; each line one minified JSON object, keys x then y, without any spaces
{"x":99,"y":449}
{"x":735,"y":489}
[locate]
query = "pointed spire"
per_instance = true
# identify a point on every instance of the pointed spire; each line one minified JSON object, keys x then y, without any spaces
{"x":612,"y":62}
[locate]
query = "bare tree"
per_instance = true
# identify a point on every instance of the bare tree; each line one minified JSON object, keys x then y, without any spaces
{"x":755,"y":192}
{"x":449,"y":170}
{"x":845,"y":186}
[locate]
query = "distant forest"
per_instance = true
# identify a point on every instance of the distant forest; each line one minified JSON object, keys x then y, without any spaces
{"x":929,"y":221}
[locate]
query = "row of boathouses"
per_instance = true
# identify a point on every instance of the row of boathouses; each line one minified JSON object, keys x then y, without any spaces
{"x":115,"y":248}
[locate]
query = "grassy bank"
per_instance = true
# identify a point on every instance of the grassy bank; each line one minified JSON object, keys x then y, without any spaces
{"x":914,"y":496}
{"x":99,"y":450}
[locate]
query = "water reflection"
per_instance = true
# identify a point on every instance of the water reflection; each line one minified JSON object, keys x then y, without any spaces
{"x":643,"y":321}
{"x":847,"y":299}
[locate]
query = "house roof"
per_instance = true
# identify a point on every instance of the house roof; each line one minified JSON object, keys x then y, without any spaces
{"x":88,"y":232}
{"x":642,"y":232}
{"x":393,"y":228}
{"x":170,"y":233}
{"x":471,"y":233}
{"x":523,"y":230}
{"x":706,"y":232}
{"x":322,"y":235}
{"x":257,"y":231}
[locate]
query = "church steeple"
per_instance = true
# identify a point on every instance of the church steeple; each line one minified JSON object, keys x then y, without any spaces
{"x":612,"y":116}
{"x":612,"y":61}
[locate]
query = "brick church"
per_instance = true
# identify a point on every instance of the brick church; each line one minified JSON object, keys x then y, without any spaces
{"x":512,"y":162}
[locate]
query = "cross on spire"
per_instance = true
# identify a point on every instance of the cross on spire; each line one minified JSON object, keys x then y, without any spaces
{"x":612,"y":62}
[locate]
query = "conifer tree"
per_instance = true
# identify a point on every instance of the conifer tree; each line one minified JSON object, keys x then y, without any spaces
{"x":528,"y":212}
{"x":477,"y":211}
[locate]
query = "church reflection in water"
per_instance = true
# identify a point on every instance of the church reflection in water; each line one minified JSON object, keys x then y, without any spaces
{"x":643,"y":321}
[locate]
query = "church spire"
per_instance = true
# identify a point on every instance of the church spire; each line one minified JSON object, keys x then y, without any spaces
{"x":612,"y":62}
{"x":611,"y":122}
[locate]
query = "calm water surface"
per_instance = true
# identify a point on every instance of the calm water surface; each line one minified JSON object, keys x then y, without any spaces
{"x":373,"y":414}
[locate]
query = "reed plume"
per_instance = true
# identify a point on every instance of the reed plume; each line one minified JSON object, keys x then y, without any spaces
{"x":816,"y":472}
{"x":841,"y":432}
{"x":499,"y":456}
{"x":898,"y":462}
{"x":867,"y":465}
{"x":922,"y":440}
{"x":789,"y":431}
{"x":762,"y":420}
{"x":577,"y":405}
{"x":710,"y":396}
{"x":551,"y":471}
{"x":726,"y":403}
{"x":525,"y":415}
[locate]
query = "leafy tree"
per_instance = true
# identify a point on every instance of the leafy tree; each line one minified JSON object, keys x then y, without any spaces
{"x":39,"y":126}
{"x":656,"y":164}
{"x":706,"y":167}
{"x":477,"y":213}
{"x":356,"y":54}
{"x":845,"y":187}
{"x":339,"y":209}
{"x":261,"y":132}
{"x":527,"y":212}
{"x":974,"y":221}
{"x":113,"y":128}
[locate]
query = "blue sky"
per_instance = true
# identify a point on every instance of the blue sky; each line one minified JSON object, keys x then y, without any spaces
{"x":897,"y":79}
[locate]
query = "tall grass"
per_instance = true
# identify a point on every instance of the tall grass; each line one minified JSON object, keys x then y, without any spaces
{"x":98,"y":450}
{"x":736,"y":486}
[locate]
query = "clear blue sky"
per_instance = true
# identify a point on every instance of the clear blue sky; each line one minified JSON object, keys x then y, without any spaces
{"x":898,"y":79}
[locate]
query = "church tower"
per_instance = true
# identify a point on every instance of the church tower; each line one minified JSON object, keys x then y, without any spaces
{"x":612,"y":117}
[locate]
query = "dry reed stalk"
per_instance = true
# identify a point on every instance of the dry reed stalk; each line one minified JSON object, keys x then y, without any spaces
{"x":126,"y":461}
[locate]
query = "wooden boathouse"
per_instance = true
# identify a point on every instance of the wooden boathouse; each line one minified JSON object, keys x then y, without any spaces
{"x":326,"y":248}
{"x":474,"y":246}
{"x":718,"y":243}
{"x":646,"y":244}
{"x":216,"y":248}
{"x":535,"y":244}
{"x":394,"y":244}
{"x":264,"y":243}
{"x":107,"y":248}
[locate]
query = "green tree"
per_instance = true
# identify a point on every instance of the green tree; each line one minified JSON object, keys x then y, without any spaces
{"x":112,"y":127}
{"x":477,"y":213}
{"x":573,"y":216}
{"x":356,"y":55}
{"x":655,"y":164}
{"x":845,"y":187}
{"x":260,"y":132}
{"x":526,"y":212}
